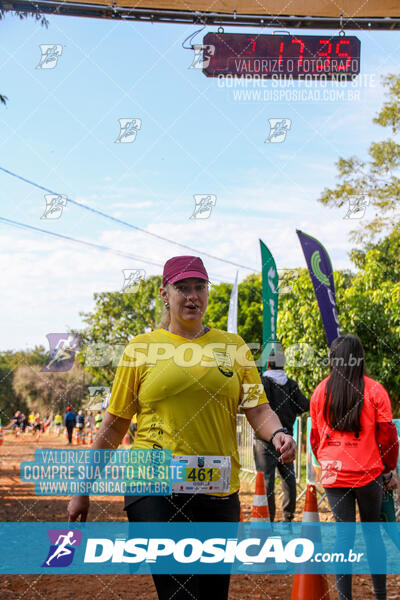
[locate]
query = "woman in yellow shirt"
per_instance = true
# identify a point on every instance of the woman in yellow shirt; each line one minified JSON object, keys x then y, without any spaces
{"x":185,"y":383}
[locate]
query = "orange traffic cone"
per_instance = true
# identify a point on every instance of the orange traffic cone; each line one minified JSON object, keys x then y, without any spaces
{"x":83,"y":437}
{"x":89,"y":438}
{"x":260,"y":511}
{"x":310,"y":513}
{"x":1,"y":435}
{"x":310,"y":586}
{"x":75,"y":436}
{"x":260,"y":521}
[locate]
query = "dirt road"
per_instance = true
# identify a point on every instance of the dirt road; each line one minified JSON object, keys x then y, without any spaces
{"x":18,"y":503}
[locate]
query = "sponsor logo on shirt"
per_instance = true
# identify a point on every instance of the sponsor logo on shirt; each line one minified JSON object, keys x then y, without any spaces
{"x":330,"y":470}
{"x":224,"y":363}
{"x":251,"y":394}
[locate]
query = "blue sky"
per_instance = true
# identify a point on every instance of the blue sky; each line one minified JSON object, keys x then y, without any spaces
{"x":59,"y":128}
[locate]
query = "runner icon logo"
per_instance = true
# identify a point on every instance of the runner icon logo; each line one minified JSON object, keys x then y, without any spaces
{"x":50,"y":55}
{"x":99,"y":397}
{"x":54,"y":206}
{"x":357,"y":207}
{"x":128,"y":130}
{"x":62,"y":547}
{"x":203,"y":205}
{"x":278,"y":129}
{"x":63,"y":347}
{"x":132,"y":280}
{"x":202,"y":56}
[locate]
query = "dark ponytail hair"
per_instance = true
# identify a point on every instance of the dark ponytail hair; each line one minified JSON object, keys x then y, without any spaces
{"x":344,"y":397}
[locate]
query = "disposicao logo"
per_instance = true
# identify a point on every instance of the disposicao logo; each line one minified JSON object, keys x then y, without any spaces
{"x":191,"y":550}
{"x":62,"y":547}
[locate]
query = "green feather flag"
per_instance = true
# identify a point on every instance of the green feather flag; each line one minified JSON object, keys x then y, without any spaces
{"x":270,"y":301}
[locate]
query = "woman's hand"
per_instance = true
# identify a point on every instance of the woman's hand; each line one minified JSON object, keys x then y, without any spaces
{"x":78,"y":506}
{"x":286,"y":445}
{"x":109,"y":435}
{"x":392,"y":482}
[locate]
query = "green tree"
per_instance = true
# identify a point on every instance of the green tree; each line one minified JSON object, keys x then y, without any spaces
{"x":301,"y":331}
{"x":372,"y":311}
{"x":49,"y":392}
{"x":35,"y":356}
{"x":368,"y":305}
{"x":9,"y":401}
{"x":116,"y":319}
{"x":250,"y":308}
{"x":376,"y":178}
{"x":23,"y":386}
{"x":35,"y":14}
{"x":10,"y":361}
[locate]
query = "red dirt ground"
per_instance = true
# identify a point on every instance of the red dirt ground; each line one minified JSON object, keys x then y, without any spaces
{"x":18,"y":503}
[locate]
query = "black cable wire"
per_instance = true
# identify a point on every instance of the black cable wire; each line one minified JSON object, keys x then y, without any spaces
{"x":84,"y":243}
{"x":105,"y":215}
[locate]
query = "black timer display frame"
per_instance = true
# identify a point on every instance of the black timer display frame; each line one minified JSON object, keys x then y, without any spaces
{"x":270,"y":55}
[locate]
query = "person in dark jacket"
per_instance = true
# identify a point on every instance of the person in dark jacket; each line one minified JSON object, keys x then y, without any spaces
{"x":69,"y":422}
{"x":288,"y":402}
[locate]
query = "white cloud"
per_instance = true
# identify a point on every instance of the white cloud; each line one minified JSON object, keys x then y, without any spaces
{"x":46,"y":282}
{"x":133,"y":204}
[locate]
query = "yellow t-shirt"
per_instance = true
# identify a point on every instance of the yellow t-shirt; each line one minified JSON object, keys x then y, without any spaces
{"x":186,"y":393}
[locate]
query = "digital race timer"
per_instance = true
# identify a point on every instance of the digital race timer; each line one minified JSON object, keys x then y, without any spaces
{"x":296,"y":56}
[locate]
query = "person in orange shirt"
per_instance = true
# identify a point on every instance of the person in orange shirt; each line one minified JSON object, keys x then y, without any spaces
{"x":355,"y":441}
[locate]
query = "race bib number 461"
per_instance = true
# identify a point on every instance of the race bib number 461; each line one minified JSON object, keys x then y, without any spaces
{"x":204,"y":474}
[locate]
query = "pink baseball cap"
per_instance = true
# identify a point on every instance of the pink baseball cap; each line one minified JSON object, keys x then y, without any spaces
{"x":182,"y":267}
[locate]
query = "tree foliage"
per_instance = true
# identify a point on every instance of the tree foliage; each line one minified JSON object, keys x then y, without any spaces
{"x":376,"y":178}
{"x":9,"y":401}
{"x":116,"y":319}
{"x":10,"y":361}
{"x":49,"y":392}
{"x":250,"y":308}
{"x":34,"y":14}
{"x":368,"y":305}
{"x":372,"y":311}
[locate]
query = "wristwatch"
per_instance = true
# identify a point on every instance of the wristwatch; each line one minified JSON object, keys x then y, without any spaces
{"x":283,"y":429}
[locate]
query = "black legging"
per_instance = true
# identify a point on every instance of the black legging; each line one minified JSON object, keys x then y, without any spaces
{"x":189,"y":508}
{"x":70,"y":428}
{"x":343,"y":505}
